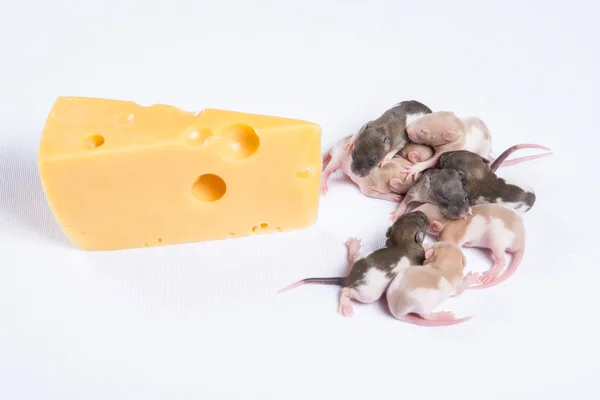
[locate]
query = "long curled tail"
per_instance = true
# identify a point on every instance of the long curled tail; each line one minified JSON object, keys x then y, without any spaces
{"x":511,"y":269}
{"x":418,"y":320}
{"x":501,"y":160}
{"x":322,"y":281}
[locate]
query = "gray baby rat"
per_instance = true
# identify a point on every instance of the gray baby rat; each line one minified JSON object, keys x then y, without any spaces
{"x":483,"y":185}
{"x":445,"y":188}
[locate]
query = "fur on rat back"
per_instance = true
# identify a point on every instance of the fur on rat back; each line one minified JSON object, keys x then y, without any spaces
{"x":483,"y":185}
{"x":421,"y":289}
{"x":377,"y":137}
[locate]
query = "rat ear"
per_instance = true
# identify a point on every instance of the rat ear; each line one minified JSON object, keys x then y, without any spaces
{"x":428,"y":253}
{"x":449,"y":136}
{"x":462,"y":176}
{"x":388,"y":232}
{"x":419,"y":237}
{"x":387,"y":141}
{"x":485,"y":161}
{"x":436,"y":226}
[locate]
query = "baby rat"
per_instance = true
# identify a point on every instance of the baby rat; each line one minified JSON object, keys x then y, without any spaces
{"x":378,"y":141}
{"x":369,"y":275}
{"x":384,"y":182}
{"x":420,"y":289}
{"x":491,"y":226}
{"x":443,"y":187}
{"x":483,"y":185}
{"x":444,"y":131}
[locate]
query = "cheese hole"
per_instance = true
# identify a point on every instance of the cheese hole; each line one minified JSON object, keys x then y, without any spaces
{"x":208,"y":188}
{"x":95,"y":140}
{"x":278,"y":229}
{"x":198,"y":136}
{"x":304,"y":173}
{"x":240,"y":141}
{"x":260,"y":227}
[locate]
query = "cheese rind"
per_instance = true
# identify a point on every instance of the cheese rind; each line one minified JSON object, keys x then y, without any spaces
{"x":118,"y":175}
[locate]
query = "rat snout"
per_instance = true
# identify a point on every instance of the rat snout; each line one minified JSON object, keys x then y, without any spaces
{"x":454,"y":212}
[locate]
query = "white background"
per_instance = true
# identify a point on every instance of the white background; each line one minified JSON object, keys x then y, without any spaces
{"x":203,"y":320}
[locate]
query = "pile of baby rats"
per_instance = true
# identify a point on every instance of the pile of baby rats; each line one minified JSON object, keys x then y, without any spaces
{"x":411,"y":154}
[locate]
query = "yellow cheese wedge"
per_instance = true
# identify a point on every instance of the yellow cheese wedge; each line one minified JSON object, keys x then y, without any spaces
{"x":118,"y":175}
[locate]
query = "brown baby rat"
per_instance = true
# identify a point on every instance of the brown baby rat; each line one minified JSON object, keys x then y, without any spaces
{"x":443,"y":187}
{"x":386,"y":182}
{"x":369,"y":275}
{"x":483,"y":185}
{"x":378,"y":141}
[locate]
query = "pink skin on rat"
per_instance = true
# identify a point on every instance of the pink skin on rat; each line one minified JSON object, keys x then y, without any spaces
{"x":416,"y":291}
{"x":444,"y":131}
{"x":492,"y":226}
{"x":387,"y":182}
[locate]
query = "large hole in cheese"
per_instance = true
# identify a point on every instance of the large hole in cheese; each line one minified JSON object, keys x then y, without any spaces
{"x":209,"y":187}
{"x":239,"y":141}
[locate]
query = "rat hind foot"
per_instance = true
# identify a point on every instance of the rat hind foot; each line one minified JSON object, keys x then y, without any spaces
{"x":345,"y":307}
{"x":490,"y":275}
{"x":353,"y":246}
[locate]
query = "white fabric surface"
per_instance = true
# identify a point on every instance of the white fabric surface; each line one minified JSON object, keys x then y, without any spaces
{"x":203,"y":320}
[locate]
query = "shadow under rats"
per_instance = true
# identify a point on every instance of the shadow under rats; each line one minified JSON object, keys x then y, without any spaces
{"x":22,"y":199}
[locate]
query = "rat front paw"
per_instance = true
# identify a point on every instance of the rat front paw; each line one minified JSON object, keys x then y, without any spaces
{"x":472,"y":279}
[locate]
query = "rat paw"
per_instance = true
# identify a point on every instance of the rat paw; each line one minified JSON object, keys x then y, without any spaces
{"x":324,"y":188}
{"x":353,"y":245}
{"x":397,"y":198}
{"x":346,"y":310}
{"x":349,"y":145}
{"x":472,"y":279}
{"x":490,"y":276}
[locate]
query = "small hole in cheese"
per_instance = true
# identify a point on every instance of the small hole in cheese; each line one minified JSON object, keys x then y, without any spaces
{"x":209,"y":187}
{"x":95,"y":140}
{"x":240,"y":141}
{"x":263,"y":226}
{"x":198,"y":136}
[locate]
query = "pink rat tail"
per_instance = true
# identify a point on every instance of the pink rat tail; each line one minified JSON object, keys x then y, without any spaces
{"x":323,"y":281}
{"x":512,"y":268}
{"x":501,"y":160}
{"x":443,"y":321}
